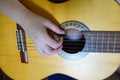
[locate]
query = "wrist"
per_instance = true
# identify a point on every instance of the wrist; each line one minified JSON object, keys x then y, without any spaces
{"x":15,"y":10}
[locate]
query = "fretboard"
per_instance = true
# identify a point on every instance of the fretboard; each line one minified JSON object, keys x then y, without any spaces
{"x":102,"y":41}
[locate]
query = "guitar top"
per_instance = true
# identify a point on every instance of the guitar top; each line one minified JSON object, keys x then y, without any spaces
{"x":97,"y":15}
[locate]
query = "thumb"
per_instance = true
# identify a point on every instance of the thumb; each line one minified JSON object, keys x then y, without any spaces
{"x":54,"y":28}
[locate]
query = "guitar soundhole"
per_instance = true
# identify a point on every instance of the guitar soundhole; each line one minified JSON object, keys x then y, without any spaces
{"x":73,"y":41}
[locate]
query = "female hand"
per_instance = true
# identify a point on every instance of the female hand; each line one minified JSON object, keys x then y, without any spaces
{"x":36,"y":26}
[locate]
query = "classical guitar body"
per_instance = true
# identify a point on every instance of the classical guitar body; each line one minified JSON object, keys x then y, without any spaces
{"x":97,"y":15}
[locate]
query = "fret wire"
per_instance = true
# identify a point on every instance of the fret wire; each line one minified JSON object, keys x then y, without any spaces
{"x":96,"y":42}
{"x":102,"y":42}
{"x":100,"y":31}
{"x":86,"y":45}
{"x":90,"y":36}
{"x":114,"y":43}
{"x":98,"y":45}
{"x":117,"y":51}
{"x":93,"y":40}
{"x":105,"y":46}
{"x":108,"y":41}
{"x":86,"y":50}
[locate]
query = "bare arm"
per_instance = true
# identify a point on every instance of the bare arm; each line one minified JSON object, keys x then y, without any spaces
{"x":34,"y":25}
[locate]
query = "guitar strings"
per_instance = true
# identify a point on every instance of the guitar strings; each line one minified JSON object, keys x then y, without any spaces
{"x":105,"y":41}
{"x":94,"y":41}
{"x":88,"y":45}
{"x":91,"y":50}
{"x":118,"y":46}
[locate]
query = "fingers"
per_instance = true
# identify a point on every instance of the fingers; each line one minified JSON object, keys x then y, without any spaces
{"x":51,"y":51}
{"x":42,"y":53}
{"x":53,"y":43}
{"x":47,"y":51}
{"x":49,"y":46}
{"x":54,"y":28}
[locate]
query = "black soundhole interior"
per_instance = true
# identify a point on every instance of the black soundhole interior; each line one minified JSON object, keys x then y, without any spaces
{"x":73,"y":41}
{"x":58,"y":1}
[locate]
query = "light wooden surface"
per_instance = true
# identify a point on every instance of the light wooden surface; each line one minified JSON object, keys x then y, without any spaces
{"x":96,"y":14}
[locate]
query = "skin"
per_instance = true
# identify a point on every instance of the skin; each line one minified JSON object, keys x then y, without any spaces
{"x":34,"y":25}
{"x":76,"y":35}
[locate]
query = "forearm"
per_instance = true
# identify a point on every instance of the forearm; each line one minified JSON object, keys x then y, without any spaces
{"x":35,"y":25}
{"x":15,"y":10}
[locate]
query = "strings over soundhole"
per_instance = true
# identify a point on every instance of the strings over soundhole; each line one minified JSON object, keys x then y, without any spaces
{"x":74,"y":41}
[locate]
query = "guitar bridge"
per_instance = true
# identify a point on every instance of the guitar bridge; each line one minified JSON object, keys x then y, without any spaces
{"x":21,"y":43}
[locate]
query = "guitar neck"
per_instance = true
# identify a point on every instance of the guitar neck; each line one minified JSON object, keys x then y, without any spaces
{"x":102,"y":41}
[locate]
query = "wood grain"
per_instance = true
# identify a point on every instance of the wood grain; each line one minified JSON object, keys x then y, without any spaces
{"x":96,"y":14}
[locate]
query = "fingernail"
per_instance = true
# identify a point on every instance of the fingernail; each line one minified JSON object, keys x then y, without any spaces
{"x":63,"y":32}
{"x":61,"y":46}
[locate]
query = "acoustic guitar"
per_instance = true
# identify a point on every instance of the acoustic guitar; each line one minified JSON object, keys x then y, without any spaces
{"x":100,"y":41}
